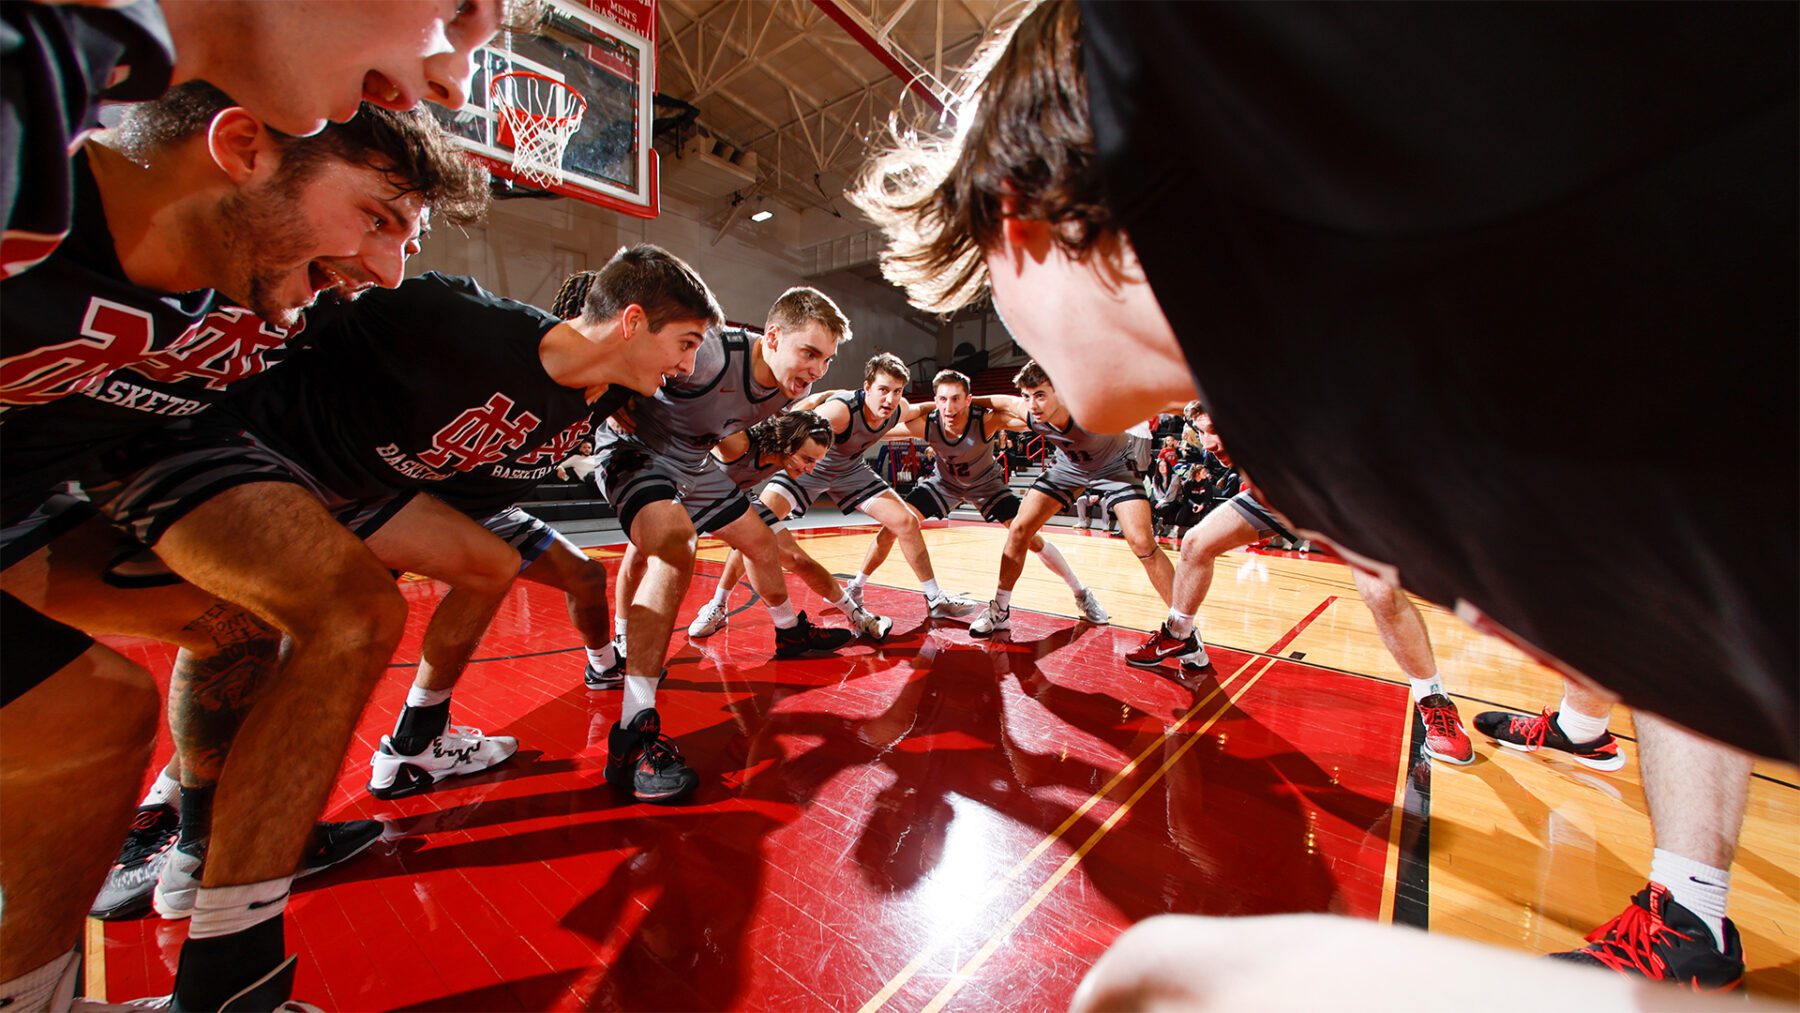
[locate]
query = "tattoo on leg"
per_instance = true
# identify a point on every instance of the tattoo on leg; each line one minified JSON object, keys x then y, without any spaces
{"x":209,"y":694}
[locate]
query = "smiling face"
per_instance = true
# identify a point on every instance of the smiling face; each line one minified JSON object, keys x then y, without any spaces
{"x":393,"y":53}
{"x":799,"y":355}
{"x":337,"y":227}
{"x":654,"y":356}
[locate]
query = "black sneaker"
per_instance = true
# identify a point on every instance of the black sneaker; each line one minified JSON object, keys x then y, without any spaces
{"x":332,"y":843}
{"x":1532,"y":732}
{"x":272,"y":991}
{"x":612,"y":677}
{"x":1659,"y":939}
{"x":132,"y":878}
{"x":643,"y":759}
{"x":805,"y":638}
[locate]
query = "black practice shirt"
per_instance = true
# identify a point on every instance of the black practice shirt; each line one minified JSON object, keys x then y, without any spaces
{"x":1459,"y":282}
{"x":435,"y":385}
{"x":57,"y":62}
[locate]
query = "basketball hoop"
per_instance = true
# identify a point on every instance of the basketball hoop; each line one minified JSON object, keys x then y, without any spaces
{"x":538,"y":115}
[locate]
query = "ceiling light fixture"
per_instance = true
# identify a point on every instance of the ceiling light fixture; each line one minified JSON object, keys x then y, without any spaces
{"x":762,"y":216}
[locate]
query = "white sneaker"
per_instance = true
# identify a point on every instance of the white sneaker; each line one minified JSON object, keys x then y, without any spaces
{"x":460,"y":750}
{"x":1081,"y":525}
{"x":870,"y":625}
{"x":952,"y":607}
{"x":178,"y":884}
{"x":1090,"y":608}
{"x":992,"y":620}
{"x":709,"y":621}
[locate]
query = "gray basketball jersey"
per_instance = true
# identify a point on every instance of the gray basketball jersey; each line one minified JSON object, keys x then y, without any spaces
{"x":690,"y":415}
{"x":967,"y":463}
{"x":746,"y":473}
{"x":848,"y":446}
{"x":1087,"y":453}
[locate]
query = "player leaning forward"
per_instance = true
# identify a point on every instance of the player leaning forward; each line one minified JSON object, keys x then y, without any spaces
{"x":666,"y":486}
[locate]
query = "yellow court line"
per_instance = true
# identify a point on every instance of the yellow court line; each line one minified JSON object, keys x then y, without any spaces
{"x":965,"y":972}
{"x":94,"y":954}
{"x":1390,"y":873}
{"x":912,"y":968}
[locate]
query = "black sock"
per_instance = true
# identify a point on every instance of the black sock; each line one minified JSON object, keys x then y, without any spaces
{"x":213,"y":970}
{"x":196,"y":817}
{"x":418,"y":726}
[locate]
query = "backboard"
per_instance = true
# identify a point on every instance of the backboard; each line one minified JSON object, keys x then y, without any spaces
{"x":604,"y":49}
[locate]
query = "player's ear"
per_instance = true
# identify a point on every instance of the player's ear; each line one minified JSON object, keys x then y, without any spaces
{"x":633,"y":321}
{"x":240,"y":145}
{"x":771,"y":337}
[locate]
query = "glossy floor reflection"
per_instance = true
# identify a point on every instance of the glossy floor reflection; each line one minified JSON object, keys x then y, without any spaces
{"x":944,"y":822}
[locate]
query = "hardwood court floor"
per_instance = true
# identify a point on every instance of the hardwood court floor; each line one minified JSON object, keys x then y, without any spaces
{"x":941,"y":822}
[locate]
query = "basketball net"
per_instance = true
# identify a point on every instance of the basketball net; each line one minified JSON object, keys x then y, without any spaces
{"x":539,"y":115}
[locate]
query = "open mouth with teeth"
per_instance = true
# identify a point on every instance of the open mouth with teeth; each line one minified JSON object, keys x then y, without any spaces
{"x":322,"y":276}
{"x":381,"y":89}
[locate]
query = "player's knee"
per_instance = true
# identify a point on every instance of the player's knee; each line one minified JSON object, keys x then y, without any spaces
{"x":587,"y":581}
{"x":672,"y":546}
{"x":359,"y":622}
{"x":489,"y":569}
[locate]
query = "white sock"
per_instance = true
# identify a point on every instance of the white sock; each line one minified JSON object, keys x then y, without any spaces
{"x":640,"y":695}
{"x":162,"y":790}
{"x":37,"y":990}
{"x":602,"y":658}
{"x":857,"y":581}
{"x":1180,"y":624}
{"x":619,"y":625}
{"x":1422,"y":688}
{"x":1579,"y":727}
{"x":783,"y":614}
{"x":1053,"y":559}
{"x":420,"y":697}
{"x":223,"y":910}
{"x":931,"y":589}
{"x":721,"y":595}
{"x":1696,"y":886}
{"x":1003,"y":598}
{"x":842,"y":604}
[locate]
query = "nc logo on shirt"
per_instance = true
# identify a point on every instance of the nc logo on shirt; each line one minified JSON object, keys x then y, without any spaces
{"x":228,"y":346}
{"x":480,"y":436}
{"x":112,"y":337}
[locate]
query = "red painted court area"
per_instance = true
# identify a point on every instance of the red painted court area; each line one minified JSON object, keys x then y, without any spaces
{"x":935,"y":821}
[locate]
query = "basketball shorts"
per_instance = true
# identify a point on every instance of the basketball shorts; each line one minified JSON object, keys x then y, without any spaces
{"x":1114,"y":484}
{"x":1260,"y":517}
{"x":850,"y":486}
{"x":936,"y":497}
{"x":523,"y":531}
{"x":186,"y":469}
{"x":632,"y":476}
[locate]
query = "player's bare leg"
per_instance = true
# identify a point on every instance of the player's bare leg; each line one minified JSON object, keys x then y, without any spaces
{"x":429,"y":538}
{"x":901,"y":520}
{"x":794,"y":633}
{"x":1676,"y":928}
{"x":1402,"y":631}
{"x":1034,"y":513}
{"x":1179,"y":637}
{"x":1138,"y":525}
{"x":798,"y":562}
{"x":60,"y":821}
{"x":582,"y":580}
{"x":639,"y":758}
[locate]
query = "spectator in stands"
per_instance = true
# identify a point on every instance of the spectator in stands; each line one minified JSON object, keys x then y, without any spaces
{"x":1085,"y":506}
{"x":579,"y":465}
{"x":1164,"y":486}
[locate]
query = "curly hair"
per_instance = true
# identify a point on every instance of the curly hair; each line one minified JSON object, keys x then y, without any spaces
{"x":787,"y":432}
{"x":410,"y":149}
{"x":1023,"y":148}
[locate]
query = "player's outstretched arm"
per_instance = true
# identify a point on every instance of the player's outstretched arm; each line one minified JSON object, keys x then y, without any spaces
{"x":1008,"y":403}
{"x":732,"y":447}
{"x":997,"y":420}
{"x":811,"y":402}
{"x":904,"y":430}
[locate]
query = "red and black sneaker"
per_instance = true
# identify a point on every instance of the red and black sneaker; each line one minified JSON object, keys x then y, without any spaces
{"x":1444,"y":736}
{"x":1164,"y":645}
{"x":642,"y":758}
{"x":1532,"y":732}
{"x":1659,"y":939}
